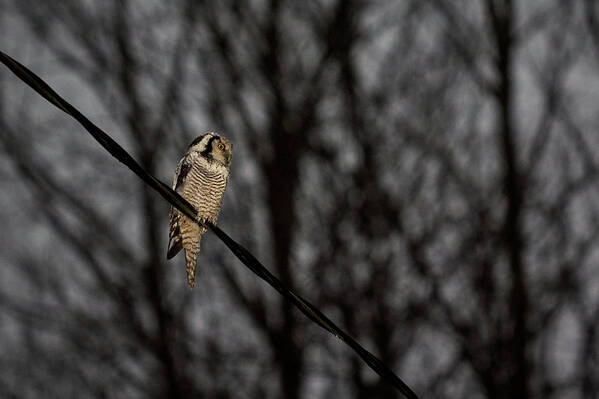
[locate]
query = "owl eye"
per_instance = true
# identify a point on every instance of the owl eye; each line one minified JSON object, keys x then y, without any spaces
{"x":221,"y":146}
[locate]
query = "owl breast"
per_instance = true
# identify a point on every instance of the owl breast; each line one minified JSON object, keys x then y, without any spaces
{"x":204,"y":189}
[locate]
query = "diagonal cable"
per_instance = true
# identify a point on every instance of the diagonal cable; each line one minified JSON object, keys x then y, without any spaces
{"x":182,"y":205}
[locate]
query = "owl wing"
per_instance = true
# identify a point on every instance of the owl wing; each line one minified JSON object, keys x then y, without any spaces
{"x":175,"y":242}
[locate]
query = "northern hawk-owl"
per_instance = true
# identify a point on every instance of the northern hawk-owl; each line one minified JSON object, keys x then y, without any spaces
{"x":200,"y":178}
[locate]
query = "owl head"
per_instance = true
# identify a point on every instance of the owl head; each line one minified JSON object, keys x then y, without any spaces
{"x":213,"y":147}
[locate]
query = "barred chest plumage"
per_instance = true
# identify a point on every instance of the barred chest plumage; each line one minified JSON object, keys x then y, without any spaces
{"x":204,"y":188}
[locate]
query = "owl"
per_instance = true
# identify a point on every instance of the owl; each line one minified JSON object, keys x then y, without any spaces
{"x":200,"y":178}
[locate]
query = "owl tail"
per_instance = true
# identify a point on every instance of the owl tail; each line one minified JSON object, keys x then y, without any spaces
{"x":191,"y":234}
{"x":190,"y":267}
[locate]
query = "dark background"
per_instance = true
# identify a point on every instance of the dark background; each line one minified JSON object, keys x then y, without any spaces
{"x":424,"y":171}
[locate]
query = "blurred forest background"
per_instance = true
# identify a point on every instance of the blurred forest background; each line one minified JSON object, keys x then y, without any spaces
{"x":425,"y":171}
